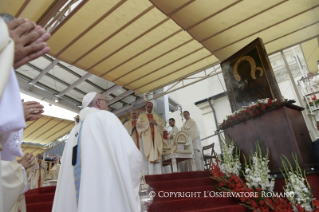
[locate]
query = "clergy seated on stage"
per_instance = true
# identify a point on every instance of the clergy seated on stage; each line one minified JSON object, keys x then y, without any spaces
{"x":54,"y":172}
{"x":191,"y":128}
{"x":150,"y":128}
{"x":101,"y":166}
{"x":37,"y":173}
{"x":130,"y":126}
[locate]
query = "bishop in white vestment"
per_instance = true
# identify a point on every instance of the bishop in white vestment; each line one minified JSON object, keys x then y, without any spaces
{"x":101,"y":166}
{"x":150,"y":128}
{"x":190,"y":126}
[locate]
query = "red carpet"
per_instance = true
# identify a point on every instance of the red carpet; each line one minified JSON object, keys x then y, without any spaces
{"x":40,"y":200}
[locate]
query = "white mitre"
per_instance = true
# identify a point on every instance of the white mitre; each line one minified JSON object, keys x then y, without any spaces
{"x":88,"y":98}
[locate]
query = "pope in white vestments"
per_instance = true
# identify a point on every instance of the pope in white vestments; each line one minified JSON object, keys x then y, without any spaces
{"x":150,"y":128}
{"x":190,"y":126}
{"x":130,"y":126}
{"x":101,"y":166}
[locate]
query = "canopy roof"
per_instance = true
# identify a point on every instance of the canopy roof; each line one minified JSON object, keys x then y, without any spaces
{"x":44,"y":131}
{"x":143,"y":45}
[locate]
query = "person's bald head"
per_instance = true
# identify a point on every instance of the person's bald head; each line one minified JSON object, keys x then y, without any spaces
{"x":99,"y":102}
{"x":134,"y":114}
{"x":149,"y":107}
{"x":39,"y":156}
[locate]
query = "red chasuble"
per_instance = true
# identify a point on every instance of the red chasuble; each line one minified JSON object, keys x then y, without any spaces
{"x":150,"y":117}
{"x":39,"y":181}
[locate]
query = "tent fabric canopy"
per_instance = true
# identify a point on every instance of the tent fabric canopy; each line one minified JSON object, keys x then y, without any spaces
{"x":37,"y":11}
{"x":130,"y":43}
{"x":311,"y":52}
{"x":143,"y":45}
{"x":45,"y":130}
{"x":224,"y":27}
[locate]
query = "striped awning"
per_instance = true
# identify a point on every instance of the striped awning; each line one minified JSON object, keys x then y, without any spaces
{"x":143,"y":45}
{"x":146,"y":44}
{"x":44,"y":131}
{"x":38,"y":11}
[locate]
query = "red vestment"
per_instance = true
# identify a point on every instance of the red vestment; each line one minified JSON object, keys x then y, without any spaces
{"x":150,"y":117}
{"x":39,"y":181}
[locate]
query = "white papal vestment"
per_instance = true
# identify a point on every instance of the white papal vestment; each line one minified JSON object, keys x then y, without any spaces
{"x":110,"y":167}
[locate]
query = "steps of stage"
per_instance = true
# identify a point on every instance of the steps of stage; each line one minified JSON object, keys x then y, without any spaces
{"x":41,"y":199}
{"x":40,"y":207}
{"x":42,"y":190}
{"x":178,"y":184}
{"x":192,"y":204}
{"x":35,"y":198}
{"x":230,"y":208}
{"x":183,"y":182}
{"x":176,"y":176}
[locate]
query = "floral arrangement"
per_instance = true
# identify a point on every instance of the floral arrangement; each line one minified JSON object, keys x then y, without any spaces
{"x":231,"y":164}
{"x":297,"y":184}
{"x":257,"y":172}
{"x":253,"y":110}
{"x":225,"y":169}
{"x":258,"y":180}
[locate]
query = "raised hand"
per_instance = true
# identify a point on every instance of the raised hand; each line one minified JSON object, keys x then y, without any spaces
{"x":29,"y":39}
{"x":27,"y":160}
{"x":32,"y":110}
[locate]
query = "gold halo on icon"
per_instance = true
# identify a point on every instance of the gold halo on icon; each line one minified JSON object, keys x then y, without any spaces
{"x":253,"y":67}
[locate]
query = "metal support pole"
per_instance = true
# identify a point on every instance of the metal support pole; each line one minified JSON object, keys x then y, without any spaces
{"x":215,"y":119}
{"x":311,"y":132}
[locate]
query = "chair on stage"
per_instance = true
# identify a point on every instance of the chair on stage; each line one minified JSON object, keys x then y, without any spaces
{"x":208,"y":159}
{"x":181,"y":149}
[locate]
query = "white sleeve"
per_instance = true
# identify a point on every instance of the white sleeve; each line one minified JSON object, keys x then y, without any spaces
{"x":26,"y":187}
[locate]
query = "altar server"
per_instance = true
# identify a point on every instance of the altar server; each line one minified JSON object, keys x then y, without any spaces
{"x":190,"y":127}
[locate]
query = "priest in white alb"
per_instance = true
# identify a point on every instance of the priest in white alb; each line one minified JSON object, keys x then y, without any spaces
{"x":150,"y":128}
{"x":38,"y":172}
{"x":130,"y":126}
{"x":190,"y":127}
{"x":101,"y":166}
{"x":54,"y":172}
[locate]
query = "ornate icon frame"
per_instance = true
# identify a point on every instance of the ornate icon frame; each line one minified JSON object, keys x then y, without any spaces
{"x":242,"y":91}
